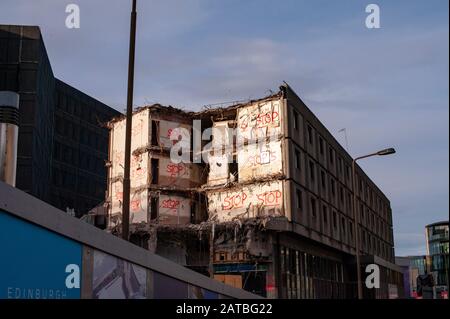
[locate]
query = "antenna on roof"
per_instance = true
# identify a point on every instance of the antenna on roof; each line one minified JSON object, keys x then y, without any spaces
{"x":344,"y":130}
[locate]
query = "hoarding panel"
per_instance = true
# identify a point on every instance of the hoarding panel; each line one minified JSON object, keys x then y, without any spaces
{"x":195,"y":292}
{"x":115,"y":278}
{"x":165,"y":287}
{"x":37,"y":263}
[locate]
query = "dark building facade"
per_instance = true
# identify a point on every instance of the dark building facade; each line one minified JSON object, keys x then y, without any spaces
{"x":62,"y":145}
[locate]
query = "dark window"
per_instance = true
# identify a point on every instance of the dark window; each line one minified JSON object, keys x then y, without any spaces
{"x":155,"y":136}
{"x":311,"y":170}
{"x":343,"y":225}
{"x":339,"y":164}
{"x":321,"y":145}
{"x":297,"y":160}
{"x":295,"y":120}
{"x":322,"y":177}
{"x":331,"y":155}
{"x":233,"y":169}
{"x":193,"y":211}
{"x":334,"y":219}
{"x":299,"y":199}
{"x":313,"y":207}
{"x":333,"y":188}
{"x":155,"y":170}
{"x":350,"y":229}
{"x":154,"y":208}
{"x":310,"y":135}
{"x":325,"y":214}
{"x":341,"y":194}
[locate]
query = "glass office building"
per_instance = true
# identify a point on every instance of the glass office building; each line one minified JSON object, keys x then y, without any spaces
{"x":437,"y":250}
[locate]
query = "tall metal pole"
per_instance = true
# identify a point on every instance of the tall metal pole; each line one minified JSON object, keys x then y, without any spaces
{"x":356,"y":231}
{"x":126,"y":175}
{"x":386,"y":151}
{"x":356,"y":218}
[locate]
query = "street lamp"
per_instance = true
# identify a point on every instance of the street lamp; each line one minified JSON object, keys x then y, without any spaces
{"x":387,"y":151}
{"x":128,"y":125}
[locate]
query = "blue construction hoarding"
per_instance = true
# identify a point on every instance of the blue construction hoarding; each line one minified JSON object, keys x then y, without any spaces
{"x":36,"y":263}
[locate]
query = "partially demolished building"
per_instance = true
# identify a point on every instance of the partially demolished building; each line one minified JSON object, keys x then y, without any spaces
{"x":271,"y":212}
{"x":164,"y":201}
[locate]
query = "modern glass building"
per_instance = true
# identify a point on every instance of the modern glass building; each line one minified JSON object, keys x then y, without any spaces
{"x":437,"y":250}
{"x":62,"y":145}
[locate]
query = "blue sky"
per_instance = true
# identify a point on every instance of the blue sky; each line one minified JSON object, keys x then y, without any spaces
{"x":387,"y":86}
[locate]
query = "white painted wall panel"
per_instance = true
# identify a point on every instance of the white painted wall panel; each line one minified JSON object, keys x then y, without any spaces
{"x":259,"y":160}
{"x":260,"y":119}
{"x":265,"y":199}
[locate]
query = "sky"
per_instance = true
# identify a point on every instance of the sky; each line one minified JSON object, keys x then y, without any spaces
{"x":387,"y":86}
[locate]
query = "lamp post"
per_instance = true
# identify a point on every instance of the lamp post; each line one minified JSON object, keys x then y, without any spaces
{"x":386,"y":151}
{"x":126,"y":174}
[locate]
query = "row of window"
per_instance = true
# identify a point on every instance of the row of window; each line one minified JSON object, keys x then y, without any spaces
{"x":436,"y":248}
{"x":372,"y":245}
{"x":78,"y":183}
{"x":376,"y":224}
{"x":342,"y":167}
{"x":335,"y":188}
{"x":374,"y":240}
{"x":79,"y":158}
{"x":365,"y":191}
{"x":82,"y":110}
{"x":83,"y":135}
{"x":313,"y":206}
{"x":368,"y":218}
{"x":80,"y":204}
{"x":305,"y":276}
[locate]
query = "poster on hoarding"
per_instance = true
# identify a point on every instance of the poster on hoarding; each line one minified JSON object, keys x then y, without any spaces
{"x":195,"y":292}
{"x":115,"y":278}
{"x":165,"y":287}
{"x":41,"y":264}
